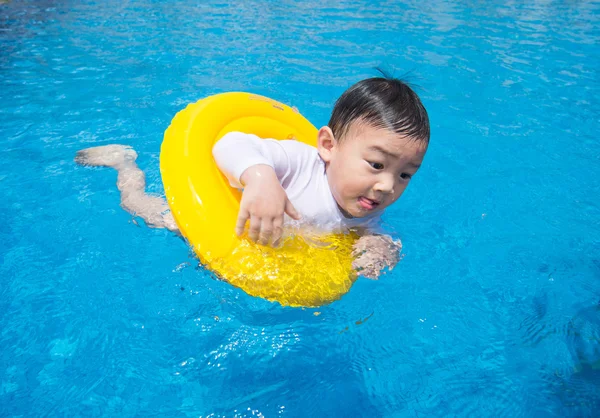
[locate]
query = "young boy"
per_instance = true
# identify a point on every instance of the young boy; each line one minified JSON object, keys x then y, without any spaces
{"x":374,"y":143}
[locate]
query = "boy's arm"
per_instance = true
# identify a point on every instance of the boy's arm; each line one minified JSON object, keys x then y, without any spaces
{"x":235,"y":152}
{"x":259,"y":167}
{"x":373,"y":253}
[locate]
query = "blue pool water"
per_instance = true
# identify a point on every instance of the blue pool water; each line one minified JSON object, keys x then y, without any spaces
{"x":494,"y":310}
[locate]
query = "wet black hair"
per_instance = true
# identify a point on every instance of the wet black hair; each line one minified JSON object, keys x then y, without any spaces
{"x":382,"y":102}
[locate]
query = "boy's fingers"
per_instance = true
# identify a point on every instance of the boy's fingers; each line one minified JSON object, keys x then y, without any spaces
{"x":254,"y":230}
{"x":291,"y":210}
{"x":241,"y":222}
{"x":266,"y":230}
{"x":277,"y":231}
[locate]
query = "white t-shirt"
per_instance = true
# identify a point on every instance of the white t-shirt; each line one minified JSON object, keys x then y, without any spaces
{"x":301,"y":172}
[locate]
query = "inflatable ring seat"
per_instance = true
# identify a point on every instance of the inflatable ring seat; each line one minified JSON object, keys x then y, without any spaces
{"x":205,"y":207}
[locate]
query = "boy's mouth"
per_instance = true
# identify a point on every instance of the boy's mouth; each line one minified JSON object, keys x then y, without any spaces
{"x":367,"y":204}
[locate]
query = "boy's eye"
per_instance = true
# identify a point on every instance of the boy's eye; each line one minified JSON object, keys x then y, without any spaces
{"x":376,"y":166}
{"x":405,"y":176}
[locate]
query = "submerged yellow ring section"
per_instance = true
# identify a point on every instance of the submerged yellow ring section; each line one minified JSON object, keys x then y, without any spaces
{"x":205,"y":207}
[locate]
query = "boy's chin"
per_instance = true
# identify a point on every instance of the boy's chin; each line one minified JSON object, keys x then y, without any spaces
{"x":348,"y":213}
{"x":356,"y":212}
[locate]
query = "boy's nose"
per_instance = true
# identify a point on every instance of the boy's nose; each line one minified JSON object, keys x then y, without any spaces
{"x":385,"y":184}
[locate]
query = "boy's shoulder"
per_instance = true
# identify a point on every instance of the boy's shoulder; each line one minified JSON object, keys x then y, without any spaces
{"x":292,"y":148}
{"x":300,"y":149}
{"x":294,"y":143}
{"x":288,"y":142}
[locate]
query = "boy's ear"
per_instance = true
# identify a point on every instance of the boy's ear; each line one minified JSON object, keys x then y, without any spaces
{"x":326,"y":142}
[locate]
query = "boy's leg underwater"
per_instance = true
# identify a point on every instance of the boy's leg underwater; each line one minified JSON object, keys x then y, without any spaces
{"x":131,"y":182}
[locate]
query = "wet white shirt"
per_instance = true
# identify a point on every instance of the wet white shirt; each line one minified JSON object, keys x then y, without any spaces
{"x":301,"y":172}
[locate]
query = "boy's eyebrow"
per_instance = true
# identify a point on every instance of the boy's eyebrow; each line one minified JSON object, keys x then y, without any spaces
{"x":391,"y":154}
{"x":383,"y":151}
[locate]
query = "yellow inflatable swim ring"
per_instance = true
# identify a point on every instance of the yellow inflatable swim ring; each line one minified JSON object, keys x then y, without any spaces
{"x":205,"y":207}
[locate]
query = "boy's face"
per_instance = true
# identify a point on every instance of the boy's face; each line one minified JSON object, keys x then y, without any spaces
{"x":370,"y":168}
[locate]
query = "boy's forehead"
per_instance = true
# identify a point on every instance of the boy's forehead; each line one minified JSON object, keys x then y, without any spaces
{"x":381,"y":139}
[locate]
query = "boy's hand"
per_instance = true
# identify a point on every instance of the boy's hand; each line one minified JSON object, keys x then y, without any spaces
{"x":373,"y":253}
{"x":264,"y":203}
